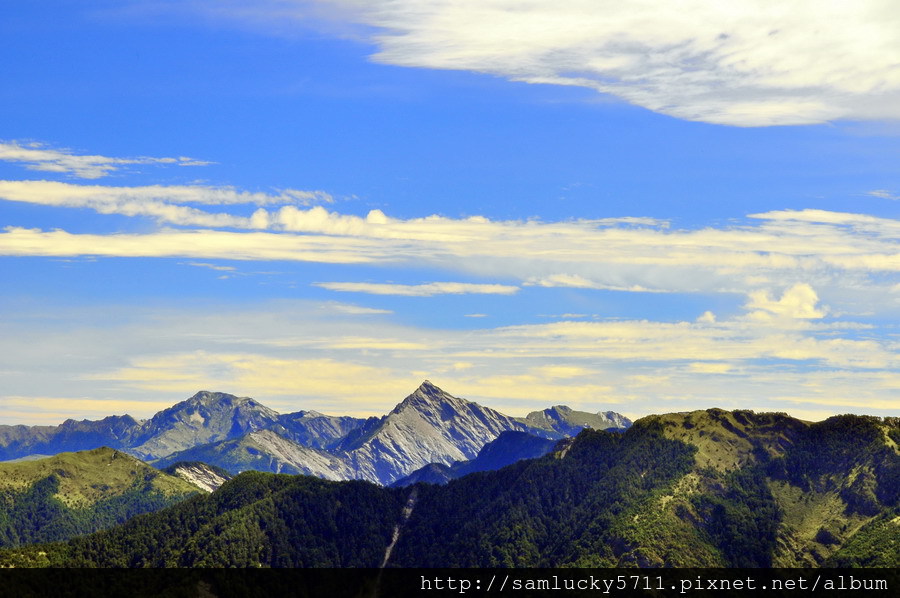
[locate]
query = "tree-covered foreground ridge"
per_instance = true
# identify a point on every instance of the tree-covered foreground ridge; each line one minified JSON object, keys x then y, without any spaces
{"x":707,"y":488}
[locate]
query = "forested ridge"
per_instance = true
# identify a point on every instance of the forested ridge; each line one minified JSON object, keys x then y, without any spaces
{"x":74,"y":494}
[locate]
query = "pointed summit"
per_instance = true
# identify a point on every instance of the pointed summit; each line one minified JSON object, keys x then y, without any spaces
{"x":427,"y":387}
{"x":427,"y":395}
{"x":428,"y":426}
{"x":429,"y":390}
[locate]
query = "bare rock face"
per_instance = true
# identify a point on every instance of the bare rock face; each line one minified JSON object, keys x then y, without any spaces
{"x":429,"y":426}
{"x":202,"y":475}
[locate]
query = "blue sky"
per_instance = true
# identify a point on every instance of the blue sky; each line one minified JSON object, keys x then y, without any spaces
{"x":320,"y":204}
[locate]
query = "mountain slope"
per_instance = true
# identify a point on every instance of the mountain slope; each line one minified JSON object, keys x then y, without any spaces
{"x":77,"y":493}
{"x":315,"y":430}
{"x":114,"y":431}
{"x":264,"y":450}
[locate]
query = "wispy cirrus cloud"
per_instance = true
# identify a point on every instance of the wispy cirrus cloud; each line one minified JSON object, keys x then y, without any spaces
{"x":420,"y":290}
{"x":753,"y":63}
{"x":747,"y":63}
{"x":164,"y":203}
{"x":38,"y":156}
{"x":883,"y":194}
{"x":72,"y":195}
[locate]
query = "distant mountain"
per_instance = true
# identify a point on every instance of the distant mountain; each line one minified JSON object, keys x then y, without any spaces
{"x":563,"y":421}
{"x":702,"y":489}
{"x":71,"y":494}
{"x":315,"y":430}
{"x":116,"y":431}
{"x":203,"y":418}
{"x":506,"y":449}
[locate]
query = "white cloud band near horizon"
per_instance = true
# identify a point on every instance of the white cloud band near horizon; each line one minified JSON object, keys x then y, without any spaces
{"x":306,"y":355}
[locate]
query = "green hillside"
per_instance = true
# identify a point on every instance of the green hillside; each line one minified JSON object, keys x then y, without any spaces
{"x":59,"y":497}
{"x":701,"y":489}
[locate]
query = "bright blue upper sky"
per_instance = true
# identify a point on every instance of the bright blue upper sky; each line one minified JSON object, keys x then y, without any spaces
{"x":320,"y":204}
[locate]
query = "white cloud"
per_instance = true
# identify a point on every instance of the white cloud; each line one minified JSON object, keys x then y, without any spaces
{"x":707,"y":317}
{"x":356,"y":310}
{"x":37,"y":156}
{"x":883,"y":194}
{"x":211,"y":266}
{"x":580,"y":282}
{"x":420,"y":290}
{"x":162,"y":203}
{"x":845,"y":256}
{"x":753,"y":63}
{"x":59,"y":194}
{"x":798,"y":302}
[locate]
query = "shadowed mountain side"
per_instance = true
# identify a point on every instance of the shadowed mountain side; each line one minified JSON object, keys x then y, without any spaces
{"x":507,"y":449}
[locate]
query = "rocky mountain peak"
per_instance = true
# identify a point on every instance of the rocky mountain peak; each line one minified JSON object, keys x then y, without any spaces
{"x":558,"y":411}
{"x":426,"y":396}
{"x":208,"y":398}
{"x":428,"y":388}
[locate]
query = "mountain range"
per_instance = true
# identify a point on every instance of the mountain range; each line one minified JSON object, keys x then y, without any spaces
{"x":237,"y":434}
{"x":708,"y":488}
